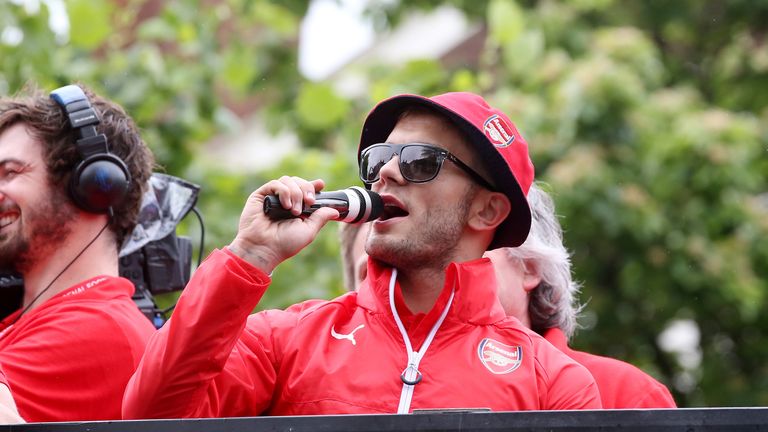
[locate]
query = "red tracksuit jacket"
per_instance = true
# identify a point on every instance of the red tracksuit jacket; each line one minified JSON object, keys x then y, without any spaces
{"x":346,"y":355}
{"x":621,"y":384}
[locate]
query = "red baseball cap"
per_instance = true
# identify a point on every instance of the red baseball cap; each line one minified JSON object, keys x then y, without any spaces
{"x":494,"y":137}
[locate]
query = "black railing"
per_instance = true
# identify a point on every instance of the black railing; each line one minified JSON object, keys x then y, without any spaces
{"x":705,"y":419}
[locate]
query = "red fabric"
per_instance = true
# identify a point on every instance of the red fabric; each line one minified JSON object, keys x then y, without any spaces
{"x":419,"y":325}
{"x":3,"y":379}
{"x":213,"y":359}
{"x":621,"y":384}
{"x":71,"y":357}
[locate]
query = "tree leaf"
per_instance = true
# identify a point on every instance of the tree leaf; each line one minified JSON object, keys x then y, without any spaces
{"x":89,"y":22}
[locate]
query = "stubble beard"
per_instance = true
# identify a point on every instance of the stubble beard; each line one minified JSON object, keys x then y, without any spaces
{"x":49,"y":227}
{"x":432,"y":247}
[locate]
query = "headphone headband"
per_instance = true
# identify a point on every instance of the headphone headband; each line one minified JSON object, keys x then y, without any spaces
{"x":83,"y":118}
{"x":102,"y":179}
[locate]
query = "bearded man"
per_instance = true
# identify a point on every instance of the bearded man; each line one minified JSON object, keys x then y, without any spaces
{"x":73,"y":169}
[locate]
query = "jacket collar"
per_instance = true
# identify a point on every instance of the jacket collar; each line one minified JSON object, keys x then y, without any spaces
{"x":100,"y":287}
{"x":556,"y":337}
{"x":474,"y":301}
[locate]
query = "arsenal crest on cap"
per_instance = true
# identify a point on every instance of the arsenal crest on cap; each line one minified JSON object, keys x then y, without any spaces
{"x":498,"y":132}
{"x":499,"y":358}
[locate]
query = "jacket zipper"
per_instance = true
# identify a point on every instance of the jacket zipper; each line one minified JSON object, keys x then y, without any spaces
{"x":411,"y":375}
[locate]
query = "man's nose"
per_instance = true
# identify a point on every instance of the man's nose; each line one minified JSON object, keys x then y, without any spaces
{"x":390,"y":172}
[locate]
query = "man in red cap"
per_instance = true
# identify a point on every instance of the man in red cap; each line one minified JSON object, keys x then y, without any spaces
{"x":424,"y":331}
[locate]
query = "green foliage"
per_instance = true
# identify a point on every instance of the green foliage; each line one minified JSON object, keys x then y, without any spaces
{"x":505,"y":22}
{"x":318,"y":106}
{"x":89,"y":23}
{"x":175,"y":71}
{"x":647,"y":119}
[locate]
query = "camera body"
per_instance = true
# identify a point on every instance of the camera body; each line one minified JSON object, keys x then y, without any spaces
{"x":159,"y":267}
{"x":153,"y":257}
{"x":11,"y":292}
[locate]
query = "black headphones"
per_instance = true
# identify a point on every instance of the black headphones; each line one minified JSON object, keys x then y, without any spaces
{"x":101,"y":179}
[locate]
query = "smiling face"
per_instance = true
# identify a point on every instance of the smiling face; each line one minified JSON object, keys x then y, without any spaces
{"x":423,"y":224}
{"x":33,"y":216}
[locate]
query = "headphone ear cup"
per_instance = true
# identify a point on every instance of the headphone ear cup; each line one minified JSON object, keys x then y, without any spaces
{"x":99,"y":183}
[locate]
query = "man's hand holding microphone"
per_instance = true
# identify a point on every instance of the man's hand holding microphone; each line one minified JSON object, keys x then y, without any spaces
{"x":283,"y":216}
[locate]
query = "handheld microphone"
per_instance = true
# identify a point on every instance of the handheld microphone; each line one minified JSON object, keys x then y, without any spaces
{"x":355,"y":205}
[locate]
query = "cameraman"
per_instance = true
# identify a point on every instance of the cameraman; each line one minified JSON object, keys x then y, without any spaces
{"x":73,"y":169}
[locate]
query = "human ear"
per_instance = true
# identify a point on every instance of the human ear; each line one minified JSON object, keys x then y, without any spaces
{"x":489,"y":210}
{"x":531,"y":278}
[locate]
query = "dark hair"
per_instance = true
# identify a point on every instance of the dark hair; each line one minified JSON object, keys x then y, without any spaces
{"x":46,"y":122}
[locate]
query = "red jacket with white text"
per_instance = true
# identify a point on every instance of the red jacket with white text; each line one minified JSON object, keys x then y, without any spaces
{"x":71,"y":357}
{"x":347,"y":355}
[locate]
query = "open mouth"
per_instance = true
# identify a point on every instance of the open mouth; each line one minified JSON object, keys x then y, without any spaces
{"x":392,"y":209}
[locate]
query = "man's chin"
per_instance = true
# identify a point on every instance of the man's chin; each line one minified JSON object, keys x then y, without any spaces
{"x":382,"y":254}
{"x":393,"y":257}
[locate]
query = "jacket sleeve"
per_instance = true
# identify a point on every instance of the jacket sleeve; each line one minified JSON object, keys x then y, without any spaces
{"x":204,"y":362}
{"x":567,"y":385}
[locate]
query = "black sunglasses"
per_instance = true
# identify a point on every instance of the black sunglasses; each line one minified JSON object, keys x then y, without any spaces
{"x":419,"y":163}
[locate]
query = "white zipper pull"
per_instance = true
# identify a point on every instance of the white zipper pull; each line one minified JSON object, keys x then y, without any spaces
{"x":411,"y":375}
